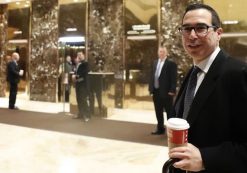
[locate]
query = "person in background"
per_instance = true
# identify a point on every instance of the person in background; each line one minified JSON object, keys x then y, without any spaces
{"x":82,"y":87}
{"x":60,"y":79}
{"x":217,"y":137}
{"x":68,"y":70}
{"x":13,"y":78}
{"x":162,"y":87}
{"x":8,"y":58}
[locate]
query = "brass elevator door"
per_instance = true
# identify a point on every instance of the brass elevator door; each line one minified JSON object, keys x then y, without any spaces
{"x":141,"y":44}
{"x":139,"y":56}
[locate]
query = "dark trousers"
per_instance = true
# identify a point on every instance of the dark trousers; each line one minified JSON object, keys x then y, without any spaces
{"x":82,"y":100}
{"x":59,"y":91}
{"x":162,"y":104}
{"x":67,"y":92}
{"x":98,"y":94}
{"x":12,"y":94}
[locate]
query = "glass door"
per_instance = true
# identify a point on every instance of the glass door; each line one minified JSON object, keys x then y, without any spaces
{"x":72,"y":39}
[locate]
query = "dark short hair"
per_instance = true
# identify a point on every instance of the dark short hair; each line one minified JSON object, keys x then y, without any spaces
{"x":215,"y":17}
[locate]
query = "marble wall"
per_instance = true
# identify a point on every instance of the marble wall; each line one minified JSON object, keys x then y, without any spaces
{"x":44,"y":61}
{"x":3,"y":44}
{"x":105,"y":43}
{"x":105,"y":40}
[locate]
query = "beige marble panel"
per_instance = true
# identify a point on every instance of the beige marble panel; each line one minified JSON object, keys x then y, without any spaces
{"x":26,"y":150}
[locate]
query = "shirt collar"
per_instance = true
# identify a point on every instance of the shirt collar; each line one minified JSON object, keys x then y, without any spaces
{"x":162,"y":60}
{"x":206,"y":63}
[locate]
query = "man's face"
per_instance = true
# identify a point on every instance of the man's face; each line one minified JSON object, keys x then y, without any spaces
{"x":76,"y":60}
{"x":162,"y":53}
{"x":16,"y":56}
{"x":80,"y":56}
{"x":68,"y":58}
{"x":200,"y":47}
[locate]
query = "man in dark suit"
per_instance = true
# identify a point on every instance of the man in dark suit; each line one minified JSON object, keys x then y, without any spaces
{"x":218,"y":113}
{"x":13,"y":78}
{"x":162,"y":87}
{"x":82,"y":87}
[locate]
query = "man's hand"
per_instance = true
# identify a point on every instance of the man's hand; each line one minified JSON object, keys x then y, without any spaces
{"x":190,"y":158}
{"x":171,"y":93}
{"x":21,"y":72}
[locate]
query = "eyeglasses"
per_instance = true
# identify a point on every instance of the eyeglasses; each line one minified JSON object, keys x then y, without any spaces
{"x":200,"y":30}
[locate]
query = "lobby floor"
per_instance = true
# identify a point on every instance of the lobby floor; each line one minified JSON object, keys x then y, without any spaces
{"x":28,"y":150}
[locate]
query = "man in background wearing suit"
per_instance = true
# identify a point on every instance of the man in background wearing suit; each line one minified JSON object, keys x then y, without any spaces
{"x":82,"y":87}
{"x":13,"y":78}
{"x":218,"y":113}
{"x":162,"y":87}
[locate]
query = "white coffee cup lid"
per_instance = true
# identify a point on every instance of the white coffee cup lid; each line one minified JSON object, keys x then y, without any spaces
{"x":177,"y":124}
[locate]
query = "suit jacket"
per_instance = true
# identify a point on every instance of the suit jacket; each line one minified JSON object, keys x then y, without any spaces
{"x":13,"y":72}
{"x":218,"y":116}
{"x":82,"y":74}
{"x":167,"y":78}
{"x":68,"y":67}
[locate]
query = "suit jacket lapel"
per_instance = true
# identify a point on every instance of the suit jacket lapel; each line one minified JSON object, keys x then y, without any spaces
{"x":180,"y":97}
{"x":164,"y":67}
{"x":206,"y":87}
{"x":155,"y":66}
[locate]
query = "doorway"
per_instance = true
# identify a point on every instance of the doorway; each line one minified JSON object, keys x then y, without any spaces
{"x":22,"y":49}
{"x":139,"y":56}
{"x":141,"y":44}
{"x":18,"y":35}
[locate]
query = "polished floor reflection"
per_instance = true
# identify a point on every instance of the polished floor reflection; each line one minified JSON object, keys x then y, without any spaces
{"x":27,"y":150}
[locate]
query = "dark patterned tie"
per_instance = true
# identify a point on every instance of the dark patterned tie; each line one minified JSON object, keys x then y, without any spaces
{"x":190,"y":91}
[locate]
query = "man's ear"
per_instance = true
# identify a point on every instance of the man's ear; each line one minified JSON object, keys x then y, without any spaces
{"x":219,"y":32}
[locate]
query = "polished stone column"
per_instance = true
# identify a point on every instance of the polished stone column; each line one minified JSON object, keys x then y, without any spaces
{"x":44,"y":50}
{"x":3,"y":44}
{"x":171,"y":18}
{"x":105,"y":40}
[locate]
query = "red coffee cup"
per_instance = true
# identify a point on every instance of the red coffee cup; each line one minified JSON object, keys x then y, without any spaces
{"x":177,"y":132}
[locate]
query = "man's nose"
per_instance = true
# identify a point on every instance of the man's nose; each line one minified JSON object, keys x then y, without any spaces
{"x":193,"y":33}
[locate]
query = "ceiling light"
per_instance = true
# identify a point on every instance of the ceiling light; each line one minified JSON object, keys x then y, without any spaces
{"x":73,"y":39}
{"x":234,"y":34}
{"x":141,"y":27}
{"x":17,"y":32}
{"x":142,"y":37}
{"x":230,"y":22}
{"x":71,"y":29}
{"x":18,"y":41}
